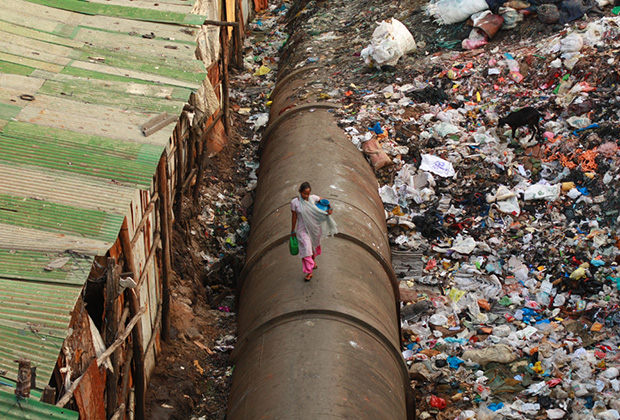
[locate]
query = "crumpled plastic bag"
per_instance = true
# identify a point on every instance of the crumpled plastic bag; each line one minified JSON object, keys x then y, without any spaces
{"x":390,"y":41}
{"x":464,"y":245}
{"x":263,"y":70}
{"x":500,"y":353}
{"x":437,"y":402}
{"x":542,"y":192}
{"x":437,"y":166}
{"x":388,"y":195}
{"x":511,"y":17}
{"x":505,"y":200}
{"x":477,"y":38}
{"x":594,"y":34}
{"x":572,"y":43}
{"x":447,"y":12}
{"x":444,"y":129}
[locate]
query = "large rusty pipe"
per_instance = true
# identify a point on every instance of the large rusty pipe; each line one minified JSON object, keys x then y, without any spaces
{"x":328,"y":348}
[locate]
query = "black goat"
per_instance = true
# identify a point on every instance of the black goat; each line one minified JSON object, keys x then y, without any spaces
{"x":528,"y":116}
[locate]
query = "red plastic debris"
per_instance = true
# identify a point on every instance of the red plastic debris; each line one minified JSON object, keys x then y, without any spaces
{"x":437,"y":402}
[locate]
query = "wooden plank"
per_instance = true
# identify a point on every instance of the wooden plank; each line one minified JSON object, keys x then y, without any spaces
{"x":126,"y":26}
{"x":29,"y":62}
{"x":89,"y":395}
{"x":91,"y":91}
{"x":182,"y":7}
{"x":13,"y":68}
{"x":141,"y":75}
{"x":157,"y":123}
{"x":36,"y":16}
{"x":34,"y":49}
{"x":111,"y":330}
{"x":90,"y":119}
{"x":22,"y":31}
{"x":8,"y":112}
{"x":150,"y":15}
{"x":149,"y":55}
{"x":145,"y":218}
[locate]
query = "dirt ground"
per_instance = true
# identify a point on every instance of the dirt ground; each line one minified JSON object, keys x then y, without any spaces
{"x":192,"y":375}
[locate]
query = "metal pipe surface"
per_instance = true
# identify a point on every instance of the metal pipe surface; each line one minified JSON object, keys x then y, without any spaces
{"x":328,"y":348}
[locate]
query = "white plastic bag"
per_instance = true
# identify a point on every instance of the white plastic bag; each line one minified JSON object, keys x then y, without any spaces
{"x":505,"y":200}
{"x":572,"y":43}
{"x":542,"y":192}
{"x":390,"y":41}
{"x":447,"y":12}
{"x":437,"y":166}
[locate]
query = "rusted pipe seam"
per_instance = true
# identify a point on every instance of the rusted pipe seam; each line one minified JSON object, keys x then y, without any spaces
{"x":292,"y":112}
{"x":387,"y":266}
{"x":288,"y":78}
{"x":323,"y":314}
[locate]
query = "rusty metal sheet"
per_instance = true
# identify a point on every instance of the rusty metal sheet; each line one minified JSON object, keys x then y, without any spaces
{"x":89,"y":395}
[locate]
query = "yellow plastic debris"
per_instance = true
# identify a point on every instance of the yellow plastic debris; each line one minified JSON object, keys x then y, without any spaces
{"x":263,"y":70}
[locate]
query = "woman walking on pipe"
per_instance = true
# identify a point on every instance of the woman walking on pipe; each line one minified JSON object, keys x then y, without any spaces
{"x":311,"y":216}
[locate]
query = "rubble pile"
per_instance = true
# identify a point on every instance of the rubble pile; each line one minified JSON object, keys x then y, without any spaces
{"x":505,"y":242}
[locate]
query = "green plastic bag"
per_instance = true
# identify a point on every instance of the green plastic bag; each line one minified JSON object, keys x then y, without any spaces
{"x":293,"y":245}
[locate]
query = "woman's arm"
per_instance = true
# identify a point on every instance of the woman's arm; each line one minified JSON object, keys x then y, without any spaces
{"x":294,"y":222}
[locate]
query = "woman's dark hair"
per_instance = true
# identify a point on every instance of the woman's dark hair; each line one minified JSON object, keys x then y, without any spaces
{"x":303,"y":187}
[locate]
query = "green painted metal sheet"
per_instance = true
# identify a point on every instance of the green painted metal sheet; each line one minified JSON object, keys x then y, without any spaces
{"x":36,"y":305}
{"x":59,"y":218}
{"x":123,"y":162}
{"x":33,"y":323}
{"x":136,"y":13}
{"x":27,"y":265}
{"x":31,"y":409}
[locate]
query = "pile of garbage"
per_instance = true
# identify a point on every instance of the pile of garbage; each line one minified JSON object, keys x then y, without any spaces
{"x":518,"y":310}
{"x":506,"y":239}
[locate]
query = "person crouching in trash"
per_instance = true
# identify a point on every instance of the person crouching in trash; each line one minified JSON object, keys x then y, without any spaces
{"x":312,"y":217}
